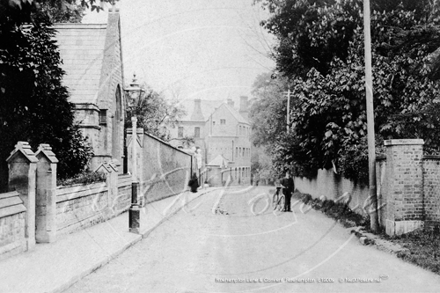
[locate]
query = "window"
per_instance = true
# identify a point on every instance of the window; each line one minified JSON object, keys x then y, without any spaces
{"x":180,"y":132}
{"x":222,"y":121}
{"x":103,"y":117}
{"x":197,"y":132}
{"x":213,"y":122}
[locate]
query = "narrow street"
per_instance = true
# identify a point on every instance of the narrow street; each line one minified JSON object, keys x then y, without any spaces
{"x":221,"y":243}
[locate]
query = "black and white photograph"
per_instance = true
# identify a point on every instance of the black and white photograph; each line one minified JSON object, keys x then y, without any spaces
{"x":216,"y":146}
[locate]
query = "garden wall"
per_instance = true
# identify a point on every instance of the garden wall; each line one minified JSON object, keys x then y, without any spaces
{"x":37,"y":210}
{"x":408,"y":188}
{"x":431,"y":190}
{"x":332,"y":186}
{"x":162,"y":170}
{"x":80,"y":206}
{"x":12,"y":224}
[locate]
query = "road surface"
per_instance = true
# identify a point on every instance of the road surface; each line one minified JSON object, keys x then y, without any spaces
{"x":231,"y":241}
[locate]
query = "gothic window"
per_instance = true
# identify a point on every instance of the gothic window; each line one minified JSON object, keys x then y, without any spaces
{"x":180,"y":132}
{"x":103,"y":117}
{"x":197,"y":132}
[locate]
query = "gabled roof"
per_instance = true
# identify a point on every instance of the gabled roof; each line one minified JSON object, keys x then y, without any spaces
{"x":219,"y":161}
{"x":82,"y":50}
{"x":236,"y":114}
{"x":209,"y":107}
{"x":89,"y":53}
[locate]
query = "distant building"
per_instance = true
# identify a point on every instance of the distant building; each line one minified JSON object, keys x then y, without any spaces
{"x":92,"y":60}
{"x":223,"y":135}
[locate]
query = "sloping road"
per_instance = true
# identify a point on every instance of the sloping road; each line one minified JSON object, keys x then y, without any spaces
{"x":226,"y":241}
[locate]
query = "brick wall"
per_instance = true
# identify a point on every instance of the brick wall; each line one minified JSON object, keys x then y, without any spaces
{"x":431,"y":189}
{"x":405,"y":185}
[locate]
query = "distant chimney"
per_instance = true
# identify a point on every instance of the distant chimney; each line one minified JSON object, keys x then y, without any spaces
{"x":231,"y":103}
{"x":197,"y":114}
{"x":244,"y":107}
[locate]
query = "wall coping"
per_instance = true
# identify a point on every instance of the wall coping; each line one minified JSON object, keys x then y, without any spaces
{"x":141,"y":131}
{"x":431,"y":157}
{"x":391,"y":142}
{"x":23,"y":147}
{"x":11,"y":204}
{"x":74,"y":191}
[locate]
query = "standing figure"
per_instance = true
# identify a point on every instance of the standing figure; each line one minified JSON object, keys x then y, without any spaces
{"x":288,"y":187}
{"x":193,"y":183}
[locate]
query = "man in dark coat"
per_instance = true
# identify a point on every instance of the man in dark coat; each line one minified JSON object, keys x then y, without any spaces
{"x":193,"y":183}
{"x":288,"y":187}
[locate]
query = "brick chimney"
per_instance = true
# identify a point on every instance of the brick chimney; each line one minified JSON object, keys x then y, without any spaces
{"x":244,"y":111}
{"x":231,"y":103}
{"x":197,"y":114}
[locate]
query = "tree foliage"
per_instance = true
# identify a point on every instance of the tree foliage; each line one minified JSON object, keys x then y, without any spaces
{"x":320,"y":51}
{"x":154,"y":113}
{"x":35,"y":105}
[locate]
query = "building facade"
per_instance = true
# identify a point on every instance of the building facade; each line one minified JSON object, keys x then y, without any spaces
{"x":222,"y":133}
{"x":92,"y":60}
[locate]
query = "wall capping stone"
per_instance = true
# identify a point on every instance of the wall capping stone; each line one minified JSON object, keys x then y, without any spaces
{"x":431,"y":157}
{"x":390,"y":142}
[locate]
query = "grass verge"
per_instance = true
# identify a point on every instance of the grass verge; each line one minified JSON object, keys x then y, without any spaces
{"x":423,"y":247}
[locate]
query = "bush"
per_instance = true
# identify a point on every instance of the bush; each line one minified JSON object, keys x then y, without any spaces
{"x":336,"y":210}
{"x":84,"y":178}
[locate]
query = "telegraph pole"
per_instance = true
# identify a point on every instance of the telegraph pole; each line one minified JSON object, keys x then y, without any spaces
{"x":374,"y":225}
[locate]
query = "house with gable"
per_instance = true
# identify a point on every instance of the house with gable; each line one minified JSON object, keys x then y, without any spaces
{"x":92,"y":60}
{"x":222,"y":132}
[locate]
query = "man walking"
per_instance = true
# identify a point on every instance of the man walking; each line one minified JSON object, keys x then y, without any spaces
{"x":288,"y":188}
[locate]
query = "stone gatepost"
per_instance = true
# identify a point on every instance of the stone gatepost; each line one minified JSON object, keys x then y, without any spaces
{"x":404,"y":175}
{"x":22,"y":178}
{"x":46,"y":197}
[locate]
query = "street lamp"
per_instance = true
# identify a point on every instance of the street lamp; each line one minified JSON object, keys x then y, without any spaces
{"x":134,"y":93}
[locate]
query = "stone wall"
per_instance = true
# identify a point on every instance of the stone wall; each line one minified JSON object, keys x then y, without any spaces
{"x":12,"y":224}
{"x":81,"y":206}
{"x":162,"y":170}
{"x":36,"y":210}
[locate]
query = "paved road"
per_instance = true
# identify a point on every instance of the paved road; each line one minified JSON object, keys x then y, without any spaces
{"x":227,"y":241}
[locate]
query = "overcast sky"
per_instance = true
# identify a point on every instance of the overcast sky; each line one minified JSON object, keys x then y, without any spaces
{"x":208,"y":49}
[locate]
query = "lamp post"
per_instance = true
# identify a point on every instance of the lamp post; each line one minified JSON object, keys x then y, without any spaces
{"x":134,"y":93}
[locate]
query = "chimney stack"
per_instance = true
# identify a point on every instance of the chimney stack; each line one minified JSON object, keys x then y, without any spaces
{"x":244,"y":107}
{"x":197,"y":114}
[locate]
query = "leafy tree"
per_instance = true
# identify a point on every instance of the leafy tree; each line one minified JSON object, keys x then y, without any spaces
{"x":35,"y":105}
{"x":154,"y":113}
{"x":328,"y":115}
{"x":268,"y":111}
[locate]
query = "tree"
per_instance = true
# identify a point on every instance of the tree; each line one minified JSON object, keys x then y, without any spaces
{"x":35,"y":105}
{"x":154,"y":113}
{"x":328,"y":118}
{"x":268,"y":111}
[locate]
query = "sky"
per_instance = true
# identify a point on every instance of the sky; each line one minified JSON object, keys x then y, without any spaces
{"x":188,"y":49}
